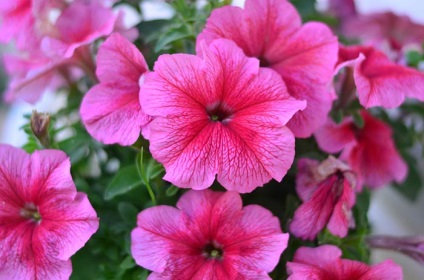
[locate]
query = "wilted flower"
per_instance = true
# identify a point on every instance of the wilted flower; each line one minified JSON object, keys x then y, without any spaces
{"x":219,"y":114}
{"x":412,"y":246}
{"x":327,"y":191}
{"x":304,"y":55}
{"x":209,"y":236}
{"x":324,"y":263}
{"x":43,"y":219}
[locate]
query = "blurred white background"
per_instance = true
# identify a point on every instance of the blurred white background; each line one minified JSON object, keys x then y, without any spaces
{"x":390,"y":213}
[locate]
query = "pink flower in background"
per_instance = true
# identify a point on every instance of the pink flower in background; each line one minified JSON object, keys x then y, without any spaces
{"x":219,"y":114}
{"x":43,"y":219}
{"x":304,"y":55}
{"x":209,"y":236}
{"x":79,"y":24}
{"x":370,"y":150}
{"x":342,"y":9}
{"x":111,"y":110}
{"x":385,"y":28}
{"x":58,"y":52}
{"x":31,"y":77}
{"x":325,"y":263}
{"x":379,"y":81}
{"x":328,"y":195}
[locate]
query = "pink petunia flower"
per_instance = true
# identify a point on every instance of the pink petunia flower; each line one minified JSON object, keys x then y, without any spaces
{"x":386,"y":28}
{"x":219,"y":114}
{"x":325,"y":263}
{"x":111,"y":110}
{"x":379,"y":81}
{"x":43,"y":219}
{"x":304,"y":55}
{"x":369,"y":151}
{"x":61,"y":51}
{"x":31,"y":77}
{"x":327,"y":191}
{"x":209,"y":236}
{"x":81,"y":23}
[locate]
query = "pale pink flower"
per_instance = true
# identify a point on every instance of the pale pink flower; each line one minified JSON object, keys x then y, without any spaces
{"x":304,"y":55}
{"x":385,"y":28}
{"x":111,"y":110}
{"x":327,"y":192}
{"x":79,"y":24}
{"x":209,"y":236}
{"x":31,"y":77}
{"x":219,"y":114}
{"x":342,"y":9}
{"x":325,"y":263}
{"x":18,"y":23}
{"x":369,"y":151}
{"x":379,"y":81}
{"x":43,"y":219}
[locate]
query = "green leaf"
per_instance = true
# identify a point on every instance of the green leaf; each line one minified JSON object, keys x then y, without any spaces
{"x":357,"y":119}
{"x":171,"y":191}
{"x":127,"y":263}
{"x":128,"y":212}
{"x":413,"y":58}
{"x":172,"y":36}
{"x":151,"y":30}
{"x":124,"y":181}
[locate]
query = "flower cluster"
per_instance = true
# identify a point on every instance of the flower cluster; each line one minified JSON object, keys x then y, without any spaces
{"x":253,"y":98}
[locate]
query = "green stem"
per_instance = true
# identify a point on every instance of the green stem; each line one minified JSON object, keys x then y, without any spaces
{"x":151,"y":193}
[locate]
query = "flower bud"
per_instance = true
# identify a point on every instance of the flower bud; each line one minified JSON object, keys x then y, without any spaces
{"x":40,"y":125}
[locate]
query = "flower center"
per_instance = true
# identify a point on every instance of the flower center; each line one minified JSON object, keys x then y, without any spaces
{"x":263,"y":62}
{"x":219,"y":112}
{"x":30,"y":211}
{"x":213,"y":251}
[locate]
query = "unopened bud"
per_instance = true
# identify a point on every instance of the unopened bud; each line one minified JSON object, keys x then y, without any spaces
{"x":40,"y":127}
{"x":412,"y":246}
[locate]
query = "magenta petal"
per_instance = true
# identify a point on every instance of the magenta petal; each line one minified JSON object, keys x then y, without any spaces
{"x":341,"y":218}
{"x":304,"y":56}
{"x":68,"y":225}
{"x":208,"y":114}
{"x":332,"y":138}
{"x":111,"y":110}
{"x":113,"y":114}
{"x":159,"y":230}
{"x":313,"y":215}
{"x":176,"y":243}
{"x":383,"y":271}
{"x":119,"y":62}
{"x":79,"y":24}
{"x":379,"y":81}
{"x":43,"y":221}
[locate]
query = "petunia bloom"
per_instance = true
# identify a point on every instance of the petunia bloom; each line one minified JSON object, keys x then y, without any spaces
{"x":43,"y":219}
{"x":379,"y":81}
{"x":111,"y":110}
{"x":325,"y":262}
{"x":79,"y":24}
{"x":209,"y":236}
{"x":327,"y":191}
{"x":219,"y":114}
{"x":304,"y":55}
{"x":387,"y":28}
{"x":369,"y":151}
